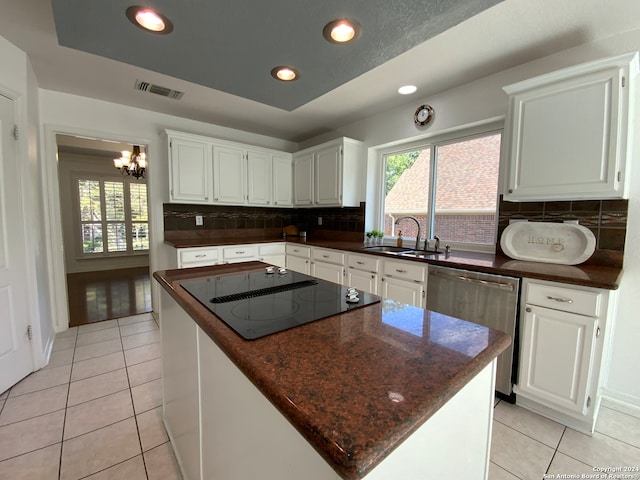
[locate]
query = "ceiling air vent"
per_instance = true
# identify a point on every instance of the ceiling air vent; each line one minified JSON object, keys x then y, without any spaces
{"x":158,"y":90}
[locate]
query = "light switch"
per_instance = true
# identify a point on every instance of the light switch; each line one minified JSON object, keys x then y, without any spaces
{"x":198,"y":219}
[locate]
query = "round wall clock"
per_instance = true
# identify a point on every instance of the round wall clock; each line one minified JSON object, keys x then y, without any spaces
{"x":423,"y":115}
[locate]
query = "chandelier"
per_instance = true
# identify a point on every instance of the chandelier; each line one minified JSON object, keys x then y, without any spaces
{"x":132,"y":163}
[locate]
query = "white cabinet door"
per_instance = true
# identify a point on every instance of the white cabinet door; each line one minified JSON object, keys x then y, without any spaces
{"x":303,"y":179}
{"x":298,"y":264}
{"x":566,"y":133}
{"x":229,"y":175}
{"x":402,"y":291}
{"x":259,"y":178}
{"x":328,"y":176}
{"x":190,"y":171}
{"x":365,"y":281}
{"x":556,"y":356}
{"x":328,"y":271}
{"x":282,"y":181}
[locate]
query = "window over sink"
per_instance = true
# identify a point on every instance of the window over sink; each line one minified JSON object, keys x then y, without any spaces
{"x":449,"y":184}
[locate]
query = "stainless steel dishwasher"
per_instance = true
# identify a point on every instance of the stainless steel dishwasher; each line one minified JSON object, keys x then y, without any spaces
{"x":487,"y":299}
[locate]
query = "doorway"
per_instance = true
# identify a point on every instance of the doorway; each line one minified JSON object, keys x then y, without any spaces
{"x":105,"y":232}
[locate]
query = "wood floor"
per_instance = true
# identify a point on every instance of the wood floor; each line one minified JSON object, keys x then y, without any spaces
{"x":108,"y":294}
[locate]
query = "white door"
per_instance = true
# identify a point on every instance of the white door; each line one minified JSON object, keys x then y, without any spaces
{"x":15,"y":349}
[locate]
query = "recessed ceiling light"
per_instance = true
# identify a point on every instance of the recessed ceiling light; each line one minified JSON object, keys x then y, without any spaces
{"x":342,"y":31}
{"x":407,"y":89}
{"x":149,"y":20}
{"x":284,"y":73}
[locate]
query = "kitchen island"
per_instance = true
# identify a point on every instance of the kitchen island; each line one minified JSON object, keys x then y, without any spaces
{"x":383,"y":391}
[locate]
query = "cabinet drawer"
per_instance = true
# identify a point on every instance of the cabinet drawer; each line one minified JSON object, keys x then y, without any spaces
{"x":404,"y":270}
{"x":582,"y":302}
{"x":299,"y":251}
{"x":198,"y":255}
{"x":239,"y":251}
{"x":271,"y":249}
{"x":329,"y":256}
{"x":367,"y":263}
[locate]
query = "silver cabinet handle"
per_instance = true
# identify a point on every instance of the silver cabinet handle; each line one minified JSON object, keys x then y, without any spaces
{"x":359,"y":262}
{"x":559,"y":299}
{"x":325,"y":256}
{"x":400,"y":271}
{"x":240,"y":252}
{"x":201,"y":255}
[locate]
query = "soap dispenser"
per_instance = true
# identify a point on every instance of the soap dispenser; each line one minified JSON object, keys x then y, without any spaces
{"x":399,"y":241}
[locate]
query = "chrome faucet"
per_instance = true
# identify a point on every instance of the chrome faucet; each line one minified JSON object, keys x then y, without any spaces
{"x":436,"y":244}
{"x":417,"y":223}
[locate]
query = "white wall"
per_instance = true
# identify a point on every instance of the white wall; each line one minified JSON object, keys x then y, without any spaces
{"x":483,"y":100}
{"x":17,"y":79}
{"x":72,"y":114}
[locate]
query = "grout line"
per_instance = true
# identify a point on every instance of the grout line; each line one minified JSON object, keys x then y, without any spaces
{"x":99,"y":428}
{"x":522,"y":433}
{"x":111,"y":466}
{"x":66,"y":405}
{"x":135,"y":415}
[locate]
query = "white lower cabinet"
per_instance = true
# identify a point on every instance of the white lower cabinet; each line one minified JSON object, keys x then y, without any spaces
{"x":299,"y":258}
{"x":362,"y":272}
{"x":198,"y":257}
{"x":327,"y":265}
{"x":239,"y":253}
{"x":272,"y":253}
{"x":404,"y":282}
{"x":563,"y":338}
{"x":180,"y":385}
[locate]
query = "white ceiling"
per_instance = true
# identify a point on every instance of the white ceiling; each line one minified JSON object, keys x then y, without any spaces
{"x":508,"y":34}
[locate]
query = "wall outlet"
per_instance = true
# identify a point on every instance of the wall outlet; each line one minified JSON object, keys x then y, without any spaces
{"x":319,"y":220}
{"x":198,"y":219}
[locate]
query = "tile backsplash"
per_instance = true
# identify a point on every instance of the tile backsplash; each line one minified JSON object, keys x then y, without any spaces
{"x":227,"y":221}
{"x":607,"y":219}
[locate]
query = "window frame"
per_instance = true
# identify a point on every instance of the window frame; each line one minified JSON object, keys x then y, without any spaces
{"x":432,"y":143}
{"x":78,"y":224}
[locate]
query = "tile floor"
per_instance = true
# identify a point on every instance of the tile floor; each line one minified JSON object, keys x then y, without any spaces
{"x":94,"y":412}
{"x":527,"y":446}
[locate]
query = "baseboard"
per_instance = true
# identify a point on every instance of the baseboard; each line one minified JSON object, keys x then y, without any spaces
{"x":621,"y":402}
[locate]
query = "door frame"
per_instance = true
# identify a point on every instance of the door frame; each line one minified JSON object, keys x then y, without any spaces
{"x":53,"y":216}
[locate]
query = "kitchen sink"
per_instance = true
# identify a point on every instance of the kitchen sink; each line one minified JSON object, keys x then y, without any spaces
{"x":388,"y":249}
{"x":420,"y":253}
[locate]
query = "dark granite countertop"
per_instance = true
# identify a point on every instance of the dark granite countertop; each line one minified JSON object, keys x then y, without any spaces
{"x":595,"y":276}
{"x":336,"y":379}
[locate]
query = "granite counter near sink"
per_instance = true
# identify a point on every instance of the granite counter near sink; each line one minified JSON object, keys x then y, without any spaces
{"x":589,"y":275}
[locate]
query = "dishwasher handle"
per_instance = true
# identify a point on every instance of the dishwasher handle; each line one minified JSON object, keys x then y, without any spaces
{"x":464,"y":278}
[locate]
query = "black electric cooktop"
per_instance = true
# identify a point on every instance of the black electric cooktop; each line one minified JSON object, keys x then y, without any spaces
{"x":256,"y":304}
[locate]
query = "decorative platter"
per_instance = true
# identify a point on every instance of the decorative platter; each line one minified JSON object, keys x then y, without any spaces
{"x":560,"y":243}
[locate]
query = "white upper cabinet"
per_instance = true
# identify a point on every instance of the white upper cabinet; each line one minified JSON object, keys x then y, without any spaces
{"x":282,"y":181}
{"x":229,"y":175}
{"x":331,"y":174}
{"x":259,"y":171}
{"x":212,"y":171}
{"x":190,"y":171}
{"x":566,"y":132}
{"x":303,"y":179}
